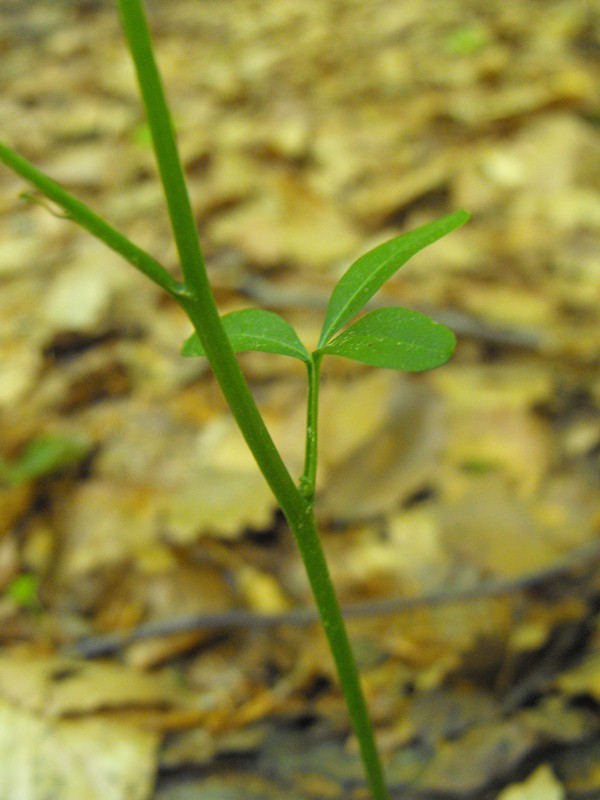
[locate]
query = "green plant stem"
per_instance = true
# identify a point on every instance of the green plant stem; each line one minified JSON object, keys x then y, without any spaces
{"x":202,"y":310}
{"x":183,"y":225}
{"x":199,"y":303}
{"x":86,"y":218}
{"x":197,"y":300}
{"x":311,"y":550}
{"x":309,"y":478}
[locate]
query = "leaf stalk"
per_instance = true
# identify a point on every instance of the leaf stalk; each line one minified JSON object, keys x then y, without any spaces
{"x":309,"y":478}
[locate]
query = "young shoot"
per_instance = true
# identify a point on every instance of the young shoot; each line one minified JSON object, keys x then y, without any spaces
{"x":393,"y":338}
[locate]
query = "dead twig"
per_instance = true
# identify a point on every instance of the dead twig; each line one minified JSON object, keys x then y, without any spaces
{"x":94,"y":646}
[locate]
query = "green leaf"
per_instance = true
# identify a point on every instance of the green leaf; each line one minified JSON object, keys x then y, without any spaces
{"x":367,"y":275}
{"x":395,"y":338}
{"x":255,"y":329}
{"x":43,"y":456}
{"x":23,"y":590}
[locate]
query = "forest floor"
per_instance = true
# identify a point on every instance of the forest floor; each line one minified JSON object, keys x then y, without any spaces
{"x":149,"y":589}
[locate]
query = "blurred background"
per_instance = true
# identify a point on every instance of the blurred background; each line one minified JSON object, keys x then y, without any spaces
{"x":310,"y":132}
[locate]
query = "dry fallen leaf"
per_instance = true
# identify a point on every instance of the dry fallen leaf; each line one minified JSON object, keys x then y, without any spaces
{"x":401,"y":435}
{"x":95,"y":759}
{"x":50,"y":745}
{"x":583,"y":679}
{"x":468,"y":763}
{"x":540,"y":785}
{"x":56,"y":686}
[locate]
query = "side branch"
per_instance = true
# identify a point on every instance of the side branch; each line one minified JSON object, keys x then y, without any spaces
{"x":88,"y":219}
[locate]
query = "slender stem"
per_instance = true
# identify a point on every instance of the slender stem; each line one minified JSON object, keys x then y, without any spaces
{"x":203,"y":313}
{"x":311,"y":550}
{"x":309,"y":478}
{"x":199,"y":304}
{"x":86,"y":218}
{"x":161,"y":127}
